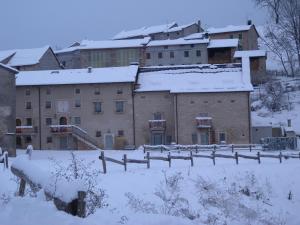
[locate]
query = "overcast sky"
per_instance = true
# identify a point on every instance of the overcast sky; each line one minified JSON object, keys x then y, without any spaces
{"x":35,"y":23}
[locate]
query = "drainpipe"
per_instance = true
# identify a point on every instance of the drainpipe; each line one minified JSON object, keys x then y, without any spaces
{"x":40,"y":123}
{"x":133,"y":113}
{"x":176,"y":119}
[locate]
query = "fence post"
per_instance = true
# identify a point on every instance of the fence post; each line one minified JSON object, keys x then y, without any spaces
{"x":144,"y":149}
{"x":258,"y":157}
{"x":237,"y":158}
{"x":215,"y":147}
{"x":169,"y":159}
{"x":232,"y":148}
{"x":6,"y":159}
{"x":192,"y":159}
{"x":250,"y":147}
{"x":214,"y":157}
{"x":280,"y":157}
{"x":148,"y":160}
{"x":81,"y":204}
{"x":196,"y":148}
{"x":161,"y":149}
{"x":103,"y":162}
{"x":125,"y":162}
{"x":22,"y":188}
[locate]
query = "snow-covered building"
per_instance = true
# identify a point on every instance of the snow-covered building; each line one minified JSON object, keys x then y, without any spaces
{"x":30,"y":59}
{"x":161,"y":32}
{"x":7,"y":109}
{"x":117,"y":107}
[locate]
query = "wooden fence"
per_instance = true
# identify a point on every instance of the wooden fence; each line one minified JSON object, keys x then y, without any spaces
{"x":198,"y":148}
{"x":214,"y":155}
{"x":76,"y":207}
{"x":4,"y":159}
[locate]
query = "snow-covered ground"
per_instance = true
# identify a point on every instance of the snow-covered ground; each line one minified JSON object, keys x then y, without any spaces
{"x":247,"y":193}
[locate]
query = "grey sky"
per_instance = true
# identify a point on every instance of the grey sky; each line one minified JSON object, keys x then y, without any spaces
{"x":35,"y":23}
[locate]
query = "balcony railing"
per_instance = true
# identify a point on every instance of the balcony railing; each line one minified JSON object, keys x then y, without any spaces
{"x":25,"y":130}
{"x":204,"y":122}
{"x":157,"y":124}
{"x":61,"y":129}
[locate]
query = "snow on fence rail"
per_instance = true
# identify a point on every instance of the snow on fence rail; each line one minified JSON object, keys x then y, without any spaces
{"x":198,"y":148}
{"x":4,"y":158}
{"x":72,"y":201}
{"x":147,"y":159}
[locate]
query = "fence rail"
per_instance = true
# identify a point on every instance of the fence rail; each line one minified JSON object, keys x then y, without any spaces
{"x":213,"y":156}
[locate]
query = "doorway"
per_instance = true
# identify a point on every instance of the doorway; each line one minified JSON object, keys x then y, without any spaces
{"x":157,"y":139}
{"x":109,"y":141}
{"x":63,"y":120}
{"x":204,"y":138}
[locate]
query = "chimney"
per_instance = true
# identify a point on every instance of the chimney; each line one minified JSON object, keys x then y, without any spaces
{"x":90,"y":69}
{"x":199,"y":26}
{"x":246,"y":69}
{"x":249,"y":22}
{"x":289,"y":123}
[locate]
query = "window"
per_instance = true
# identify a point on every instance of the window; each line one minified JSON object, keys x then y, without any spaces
{"x":160,"y":55}
{"x":232,"y":101}
{"x":219,"y":101}
{"x":119,"y":91}
{"x":198,"y":53}
{"x":222,"y":137}
{"x":157,"y":116}
{"x":98,"y":133}
{"x":240,"y":36}
{"x":97,"y":91}
{"x":148,"y":55}
{"x":231,"y":36}
{"x":77,"y":120}
{"x":77,"y":103}
{"x":28,"y":121}
{"x":172,"y":55}
{"x":119,"y":106}
{"x":48,"y":104}
{"x":27,"y":92}
{"x":48,"y":121}
{"x":49,"y":139}
{"x":28,"y":105}
{"x":77,"y":91}
{"x":97,"y":107}
{"x":186,"y":54}
{"x":48,"y":91}
{"x":120,"y":133}
{"x":28,"y":139}
{"x":166,"y":47}
{"x":192,"y":45}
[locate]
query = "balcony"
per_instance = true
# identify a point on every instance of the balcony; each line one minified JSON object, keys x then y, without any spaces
{"x":25,"y":130}
{"x":204,"y":122}
{"x":157,"y":124}
{"x":61,"y":129}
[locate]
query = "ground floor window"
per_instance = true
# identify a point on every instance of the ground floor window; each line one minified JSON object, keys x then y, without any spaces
{"x":222,"y":137}
{"x":157,"y":139}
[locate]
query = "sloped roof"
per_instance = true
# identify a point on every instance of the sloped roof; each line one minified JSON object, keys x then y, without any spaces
{"x":145,"y":31}
{"x":230,"y":28}
{"x":250,"y":53}
{"x":6,"y":54}
{"x":179,"y":41}
{"x":24,"y":57}
{"x":78,"y":76}
{"x":9,"y":68}
{"x":223,"y":43}
{"x":106,"y":44}
{"x":193,"y":79}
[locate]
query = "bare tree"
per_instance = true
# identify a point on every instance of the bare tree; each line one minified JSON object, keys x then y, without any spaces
{"x":273,"y":5}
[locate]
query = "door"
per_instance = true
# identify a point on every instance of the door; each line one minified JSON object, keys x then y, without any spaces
{"x":109,"y":141}
{"x":157,"y":139}
{"x":63,"y":142}
{"x":204,"y":138}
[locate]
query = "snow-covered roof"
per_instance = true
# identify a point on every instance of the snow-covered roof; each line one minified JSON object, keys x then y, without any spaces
{"x":179,"y":41}
{"x":193,"y":79}
{"x":230,"y":28}
{"x":25,"y":57}
{"x":250,"y":53}
{"x":6,"y":54}
{"x":9,"y":68}
{"x":179,"y":28}
{"x":195,"y":36}
{"x":106,"y":44}
{"x":223,"y":43}
{"x":78,"y":76}
{"x":144,"y":31}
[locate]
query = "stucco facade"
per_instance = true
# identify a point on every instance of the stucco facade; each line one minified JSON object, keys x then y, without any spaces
{"x":7,"y":110}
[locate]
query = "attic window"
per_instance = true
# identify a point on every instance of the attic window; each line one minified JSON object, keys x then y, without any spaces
{"x":27,"y":92}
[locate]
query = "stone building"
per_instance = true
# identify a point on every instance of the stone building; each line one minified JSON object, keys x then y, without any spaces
{"x":113,"y":108}
{"x":76,"y":109}
{"x":30,"y":59}
{"x":7,"y":109}
{"x":161,"y":32}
